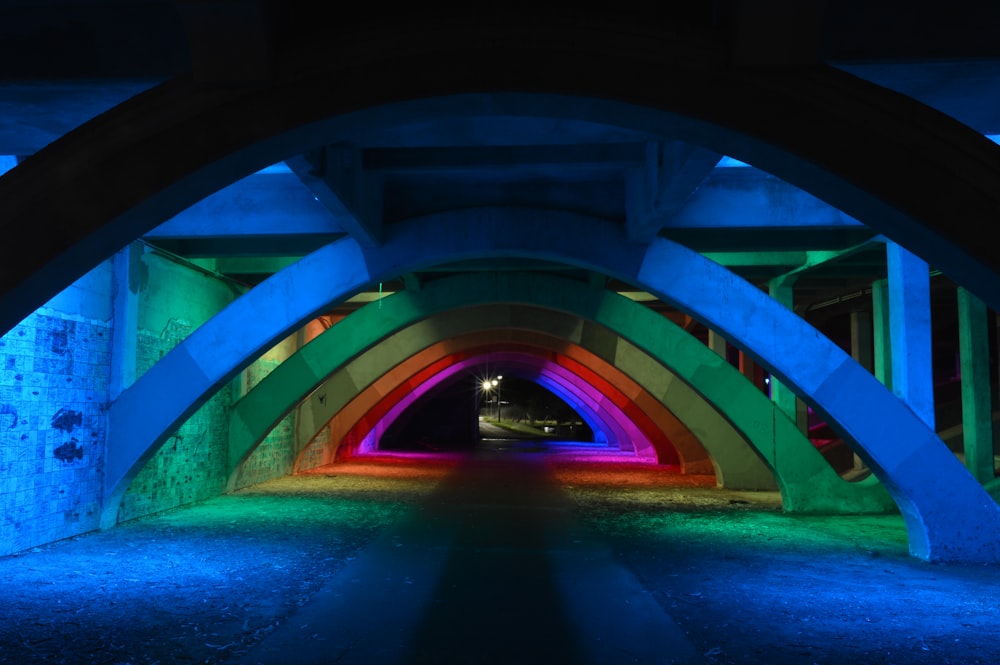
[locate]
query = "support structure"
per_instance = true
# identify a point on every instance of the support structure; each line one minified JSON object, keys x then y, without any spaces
{"x":977,"y":418}
{"x":910,"y":331}
{"x":846,"y":393}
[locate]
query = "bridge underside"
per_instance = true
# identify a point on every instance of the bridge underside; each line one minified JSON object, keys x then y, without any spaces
{"x":756,"y":272}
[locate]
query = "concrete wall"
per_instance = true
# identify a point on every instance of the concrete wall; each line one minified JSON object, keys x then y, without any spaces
{"x":54,"y":372}
{"x":174,"y":298}
{"x":275,"y":455}
{"x":55,"y":386}
{"x":316,"y":452}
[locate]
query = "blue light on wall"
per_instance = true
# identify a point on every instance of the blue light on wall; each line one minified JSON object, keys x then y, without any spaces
{"x":729,"y":162}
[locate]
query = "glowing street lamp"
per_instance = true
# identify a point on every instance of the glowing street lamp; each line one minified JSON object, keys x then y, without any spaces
{"x":493,"y":384}
{"x":496,"y":384}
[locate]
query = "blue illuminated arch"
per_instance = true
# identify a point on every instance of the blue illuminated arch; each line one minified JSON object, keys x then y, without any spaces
{"x":115,"y":185}
{"x":947,"y":513}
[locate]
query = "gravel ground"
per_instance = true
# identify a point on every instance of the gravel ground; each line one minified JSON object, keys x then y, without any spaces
{"x":747,"y":583}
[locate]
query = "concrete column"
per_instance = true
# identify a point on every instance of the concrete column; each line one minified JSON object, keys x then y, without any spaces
{"x":126,"y":271}
{"x":910,"y":331}
{"x":862,"y":347}
{"x":974,"y":356}
{"x":749,"y":369}
{"x":717,"y":343}
{"x":881,"y":346}
{"x":782,"y":290}
{"x":862,"y":350}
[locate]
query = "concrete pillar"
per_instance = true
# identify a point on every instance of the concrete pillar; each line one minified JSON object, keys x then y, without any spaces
{"x":751,"y":370}
{"x":910,"y":331}
{"x":717,"y":343}
{"x":746,"y":365}
{"x":881,"y":346}
{"x":974,"y":356}
{"x":862,"y":350}
{"x":126,"y":269}
{"x":862,"y":347}
{"x":782,"y":290}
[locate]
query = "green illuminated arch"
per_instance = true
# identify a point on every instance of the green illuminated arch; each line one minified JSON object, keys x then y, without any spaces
{"x":806,"y":481}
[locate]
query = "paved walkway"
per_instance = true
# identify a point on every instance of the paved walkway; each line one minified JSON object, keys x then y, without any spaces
{"x":493,"y":568}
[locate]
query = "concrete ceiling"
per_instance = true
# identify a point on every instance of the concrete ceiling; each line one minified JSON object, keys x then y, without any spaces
{"x":63,"y":62}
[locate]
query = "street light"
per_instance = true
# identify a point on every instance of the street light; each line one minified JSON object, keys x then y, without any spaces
{"x":494,"y":384}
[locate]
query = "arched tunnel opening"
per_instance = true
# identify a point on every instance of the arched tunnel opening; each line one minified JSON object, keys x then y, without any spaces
{"x":525,"y":409}
{"x":397,"y":339}
{"x":480,"y":405}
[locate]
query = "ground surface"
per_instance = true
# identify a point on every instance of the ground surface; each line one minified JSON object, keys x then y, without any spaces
{"x":745,"y":582}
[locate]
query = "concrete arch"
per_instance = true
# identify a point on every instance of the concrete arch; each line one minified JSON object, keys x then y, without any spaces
{"x":414,"y":350}
{"x":603,"y":416}
{"x":183,"y":142}
{"x":922,"y":475}
{"x":735,"y":463}
{"x":361,"y":412}
{"x":352,"y":424}
{"x":527,"y":364}
{"x":377,"y":404}
{"x":806,"y":480}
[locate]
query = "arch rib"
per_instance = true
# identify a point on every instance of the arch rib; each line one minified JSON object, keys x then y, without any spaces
{"x":830,"y":133}
{"x":909,"y":459}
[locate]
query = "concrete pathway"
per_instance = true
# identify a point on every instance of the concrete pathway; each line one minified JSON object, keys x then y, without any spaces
{"x":492,"y":568}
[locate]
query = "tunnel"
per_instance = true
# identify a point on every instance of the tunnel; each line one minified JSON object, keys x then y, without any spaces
{"x":454,"y":336}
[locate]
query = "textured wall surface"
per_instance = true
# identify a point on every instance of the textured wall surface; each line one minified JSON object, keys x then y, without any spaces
{"x":55,"y":373}
{"x":275,"y":455}
{"x":54,"y":369}
{"x":174,"y":299}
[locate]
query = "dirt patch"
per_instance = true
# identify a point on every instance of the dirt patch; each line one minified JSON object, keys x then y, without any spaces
{"x":746,"y":583}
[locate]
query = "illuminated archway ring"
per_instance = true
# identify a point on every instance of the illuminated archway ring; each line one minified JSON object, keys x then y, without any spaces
{"x":354,"y":417}
{"x":625,"y":333}
{"x":367,"y":430}
{"x":808,"y":483}
{"x":596,"y":411}
{"x":926,"y":480}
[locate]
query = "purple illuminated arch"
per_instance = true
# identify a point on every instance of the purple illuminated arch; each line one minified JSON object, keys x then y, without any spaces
{"x":923,"y":476}
{"x":600,"y":414}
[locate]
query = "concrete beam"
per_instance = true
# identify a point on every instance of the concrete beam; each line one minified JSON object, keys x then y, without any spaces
{"x":977,"y":418}
{"x":125,"y":310}
{"x":910,"y":331}
{"x":610,"y":424}
{"x":122,"y":184}
{"x":806,"y":480}
{"x":336,"y":176}
{"x":908,"y":457}
{"x":262,"y":204}
{"x":232,"y":41}
{"x":657,"y":190}
{"x":531,"y":160}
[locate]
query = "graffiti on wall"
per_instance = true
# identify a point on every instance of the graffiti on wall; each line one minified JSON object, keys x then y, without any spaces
{"x":65,"y":420}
